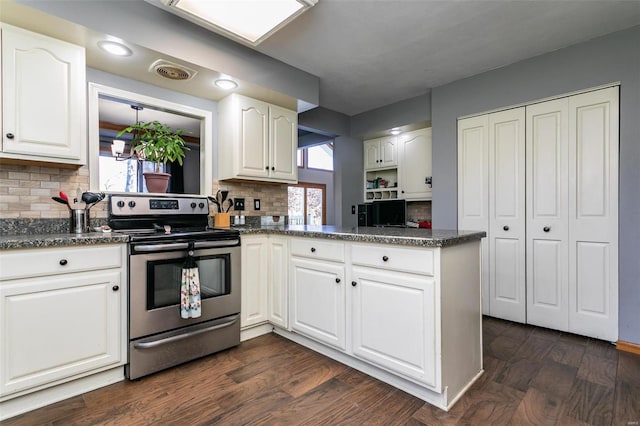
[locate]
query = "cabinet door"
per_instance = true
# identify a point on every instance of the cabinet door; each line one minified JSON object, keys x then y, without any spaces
{"x":254,"y":275}
{"x":593,"y":213}
{"x":394,"y":323}
{"x":44,"y":97}
{"x":415,"y":164}
{"x":547,"y":214}
{"x":278,"y":281}
{"x":78,"y":314}
{"x":473,"y":187}
{"x":283,"y":126}
{"x":507,"y":274}
{"x":388,"y":151}
{"x":254,"y":138}
{"x":372,"y":154}
{"x":318,"y":298}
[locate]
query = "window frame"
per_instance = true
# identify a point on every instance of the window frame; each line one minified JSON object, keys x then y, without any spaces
{"x":305,"y":186}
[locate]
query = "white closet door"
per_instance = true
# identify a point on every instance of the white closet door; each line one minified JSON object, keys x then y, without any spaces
{"x":507,"y":273}
{"x":593,"y":213}
{"x":473,"y":187}
{"x":547,"y":214}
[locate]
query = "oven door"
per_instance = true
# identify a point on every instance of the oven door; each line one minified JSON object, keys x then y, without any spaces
{"x":154,"y":286}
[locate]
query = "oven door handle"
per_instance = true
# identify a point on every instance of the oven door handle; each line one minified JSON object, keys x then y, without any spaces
{"x":149,"y":248}
{"x":213,"y":244}
{"x":156,"y":343}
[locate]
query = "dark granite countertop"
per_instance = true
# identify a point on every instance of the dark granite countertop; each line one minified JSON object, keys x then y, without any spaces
{"x":60,"y":240}
{"x":401,"y":236}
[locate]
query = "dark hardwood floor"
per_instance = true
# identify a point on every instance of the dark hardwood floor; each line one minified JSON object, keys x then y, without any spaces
{"x":533,"y":376}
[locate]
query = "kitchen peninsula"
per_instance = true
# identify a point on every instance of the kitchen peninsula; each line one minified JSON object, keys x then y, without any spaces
{"x":400,"y":304}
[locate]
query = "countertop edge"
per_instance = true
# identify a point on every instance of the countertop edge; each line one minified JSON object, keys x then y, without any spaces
{"x":59,"y":240}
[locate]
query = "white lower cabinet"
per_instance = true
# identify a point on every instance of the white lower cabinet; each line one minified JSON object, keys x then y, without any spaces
{"x":264,"y":281}
{"x":394,"y":323}
{"x":318,"y":295}
{"x":60,"y":326}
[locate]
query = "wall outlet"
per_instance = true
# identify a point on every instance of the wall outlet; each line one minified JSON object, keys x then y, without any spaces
{"x":256,"y":204}
{"x":238,"y":203}
{"x":353,"y":209}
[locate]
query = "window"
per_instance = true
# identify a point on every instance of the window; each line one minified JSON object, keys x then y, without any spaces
{"x":307,"y":204}
{"x":318,"y":157}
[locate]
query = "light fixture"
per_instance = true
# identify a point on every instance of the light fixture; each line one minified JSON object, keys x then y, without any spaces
{"x":226,"y":84}
{"x":118,"y":145}
{"x":114,"y":48}
{"x":247,"y":21}
{"x":395,"y":132}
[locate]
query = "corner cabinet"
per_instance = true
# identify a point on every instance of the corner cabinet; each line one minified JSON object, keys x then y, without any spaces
{"x":256,"y":141}
{"x":63,"y":315}
{"x":43,"y":98}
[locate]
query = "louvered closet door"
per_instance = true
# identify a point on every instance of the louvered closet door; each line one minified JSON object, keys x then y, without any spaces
{"x":507,"y":261}
{"x":547,"y":214}
{"x":593,"y":213}
{"x":473,"y":186}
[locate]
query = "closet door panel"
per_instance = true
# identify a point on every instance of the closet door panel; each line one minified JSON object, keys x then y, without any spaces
{"x":547,"y":214}
{"x":593,"y":214}
{"x":507,"y":215}
{"x":473,"y":187}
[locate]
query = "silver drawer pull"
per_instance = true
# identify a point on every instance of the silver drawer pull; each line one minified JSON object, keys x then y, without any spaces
{"x":212,"y":244}
{"x":149,"y":345}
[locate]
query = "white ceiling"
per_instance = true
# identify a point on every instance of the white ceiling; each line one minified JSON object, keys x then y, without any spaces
{"x":370,"y":53}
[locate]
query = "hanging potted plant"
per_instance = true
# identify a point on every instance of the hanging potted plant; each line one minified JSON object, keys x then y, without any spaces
{"x":156,"y":142}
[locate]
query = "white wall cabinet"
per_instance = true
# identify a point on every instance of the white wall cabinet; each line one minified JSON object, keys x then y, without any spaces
{"x":414,"y":164}
{"x":278,"y":281}
{"x":560,"y":225}
{"x":43,"y":98}
{"x":380,"y":153}
{"x":257,"y":140}
{"x":76,"y":307}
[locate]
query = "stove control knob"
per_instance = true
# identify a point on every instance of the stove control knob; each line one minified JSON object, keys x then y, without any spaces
{"x":120,"y":204}
{"x":201,"y":205}
{"x":193,"y":205}
{"x":132,"y":204}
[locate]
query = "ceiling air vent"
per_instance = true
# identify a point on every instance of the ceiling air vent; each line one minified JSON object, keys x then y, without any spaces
{"x":171,"y":70}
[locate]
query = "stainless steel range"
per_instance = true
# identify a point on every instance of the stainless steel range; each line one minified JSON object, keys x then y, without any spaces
{"x":163,"y":232}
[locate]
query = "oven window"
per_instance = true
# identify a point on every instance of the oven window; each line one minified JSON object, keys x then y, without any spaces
{"x":164,"y":277}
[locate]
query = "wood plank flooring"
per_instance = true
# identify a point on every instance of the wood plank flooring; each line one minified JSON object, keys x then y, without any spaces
{"x":533,"y":376}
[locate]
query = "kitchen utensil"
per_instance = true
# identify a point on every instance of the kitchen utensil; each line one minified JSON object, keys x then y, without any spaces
{"x":64,"y":196}
{"x":215,"y":201}
{"x":61,"y":201}
{"x":92,"y":198}
{"x":230,"y":200}
{"x":223,"y":195}
{"x":79,"y":221}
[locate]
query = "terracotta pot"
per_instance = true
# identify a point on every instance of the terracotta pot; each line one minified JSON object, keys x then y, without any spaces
{"x":157,"y":182}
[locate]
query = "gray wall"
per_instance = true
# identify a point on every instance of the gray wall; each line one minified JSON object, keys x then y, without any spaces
{"x":348,"y":178}
{"x":607,"y":59}
{"x":398,"y":114}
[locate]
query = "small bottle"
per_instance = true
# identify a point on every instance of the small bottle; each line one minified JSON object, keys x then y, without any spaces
{"x":241,"y":219}
{"x":236,"y":220}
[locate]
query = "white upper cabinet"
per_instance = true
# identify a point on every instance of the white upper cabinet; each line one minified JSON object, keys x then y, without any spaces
{"x":380,"y":153}
{"x":43,"y":98}
{"x":256,"y":140}
{"x":414,"y":164}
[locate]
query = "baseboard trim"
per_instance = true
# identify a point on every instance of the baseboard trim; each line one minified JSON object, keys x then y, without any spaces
{"x":623,"y":346}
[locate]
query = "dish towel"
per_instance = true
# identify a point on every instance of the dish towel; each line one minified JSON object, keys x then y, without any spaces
{"x":190,"y":288}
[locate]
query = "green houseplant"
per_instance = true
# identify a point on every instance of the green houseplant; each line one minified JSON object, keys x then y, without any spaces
{"x":158,"y":143}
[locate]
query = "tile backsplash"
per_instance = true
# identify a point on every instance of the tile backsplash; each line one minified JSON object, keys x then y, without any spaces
{"x":26,"y":191}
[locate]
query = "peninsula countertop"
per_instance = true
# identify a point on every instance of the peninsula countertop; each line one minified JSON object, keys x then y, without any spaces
{"x":381,"y":235}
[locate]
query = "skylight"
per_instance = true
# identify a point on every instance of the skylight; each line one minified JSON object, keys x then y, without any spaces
{"x":248,"y":21}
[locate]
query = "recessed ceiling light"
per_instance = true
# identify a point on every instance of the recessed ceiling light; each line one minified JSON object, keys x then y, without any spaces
{"x":226,"y":84}
{"x":249,"y":22}
{"x":114,"y":48}
{"x":395,"y":132}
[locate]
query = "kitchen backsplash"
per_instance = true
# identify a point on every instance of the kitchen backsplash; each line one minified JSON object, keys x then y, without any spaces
{"x":26,"y":191}
{"x":419,"y":210}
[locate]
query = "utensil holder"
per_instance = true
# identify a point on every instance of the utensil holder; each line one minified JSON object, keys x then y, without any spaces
{"x":222,"y":220}
{"x":79,"y":221}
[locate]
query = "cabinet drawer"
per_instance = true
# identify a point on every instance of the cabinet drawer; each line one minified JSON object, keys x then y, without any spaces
{"x":23,"y":263}
{"x":317,"y":249}
{"x":415,"y":260}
